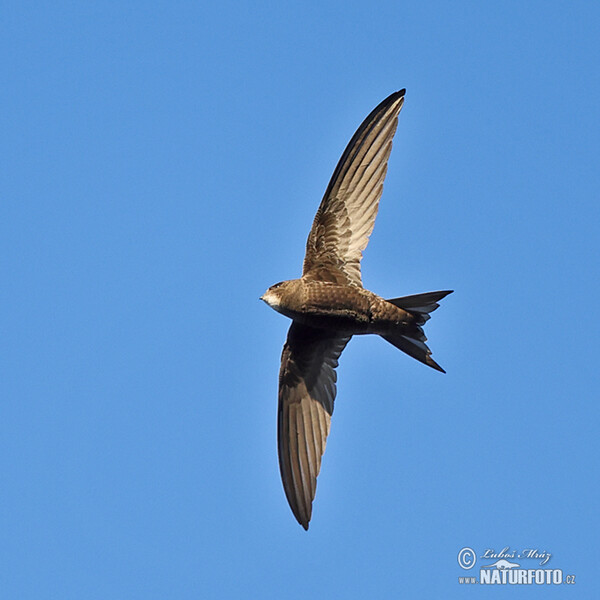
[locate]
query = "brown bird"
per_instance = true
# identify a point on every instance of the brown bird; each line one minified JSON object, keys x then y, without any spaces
{"x":328,"y":305}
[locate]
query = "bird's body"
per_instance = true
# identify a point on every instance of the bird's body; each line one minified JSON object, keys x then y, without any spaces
{"x":328,"y":305}
{"x":346,"y":309}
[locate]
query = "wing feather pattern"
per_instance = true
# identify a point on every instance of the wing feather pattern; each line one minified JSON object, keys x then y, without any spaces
{"x":306,"y":396}
{"x":346,"y":216}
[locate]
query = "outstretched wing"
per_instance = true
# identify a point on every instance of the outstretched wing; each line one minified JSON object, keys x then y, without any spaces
{"x":346,"y":216}
{"x":306,"y":394}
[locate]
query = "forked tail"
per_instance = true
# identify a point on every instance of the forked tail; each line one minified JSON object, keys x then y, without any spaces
{"x":412,"y":340}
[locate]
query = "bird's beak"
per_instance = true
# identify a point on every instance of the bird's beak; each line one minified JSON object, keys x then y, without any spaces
{"x":262,"y":298}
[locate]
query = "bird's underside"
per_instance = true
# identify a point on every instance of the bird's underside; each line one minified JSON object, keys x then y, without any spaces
{"x":328,"y":305}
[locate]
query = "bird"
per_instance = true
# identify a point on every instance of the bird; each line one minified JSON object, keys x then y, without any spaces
{"x":328,"y":305}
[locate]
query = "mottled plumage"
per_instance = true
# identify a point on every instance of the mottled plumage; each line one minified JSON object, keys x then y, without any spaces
{"x":328,"y":305}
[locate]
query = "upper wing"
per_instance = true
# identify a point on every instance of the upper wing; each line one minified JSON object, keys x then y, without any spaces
{"x":306,"y":394}
{"x":346,"y":216}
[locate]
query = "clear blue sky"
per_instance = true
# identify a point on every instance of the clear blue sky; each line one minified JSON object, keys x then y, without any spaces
{"x":161,"y":166}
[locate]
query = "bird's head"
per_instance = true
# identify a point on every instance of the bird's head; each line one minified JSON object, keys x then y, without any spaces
{"x":275,"y":296}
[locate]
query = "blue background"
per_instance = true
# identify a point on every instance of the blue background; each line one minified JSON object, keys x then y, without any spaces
{"x":161,"y":166}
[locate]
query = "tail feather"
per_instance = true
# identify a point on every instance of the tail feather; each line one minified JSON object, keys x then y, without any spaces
{"x":420,"y":304}
{"x":414,"y":348}
{"x":412,"y":340}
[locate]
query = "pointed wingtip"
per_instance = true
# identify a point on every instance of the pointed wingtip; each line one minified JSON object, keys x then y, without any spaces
{"x":444,"y":293}
{"x":303,"y":519}
{"x":434,"y":365}
{"x":393,"y":97}
{"x":397,"y":95}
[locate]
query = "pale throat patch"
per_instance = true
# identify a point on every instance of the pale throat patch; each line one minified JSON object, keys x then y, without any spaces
{"x":271,"y":299}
